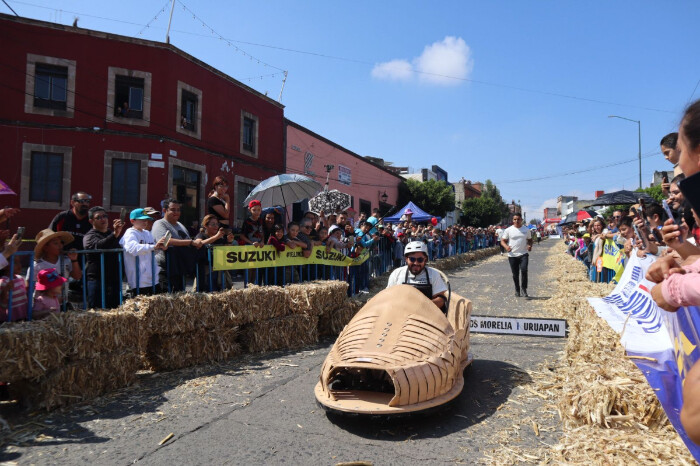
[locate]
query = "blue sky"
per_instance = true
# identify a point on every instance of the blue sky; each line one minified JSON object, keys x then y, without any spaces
{"x":536,"y":79}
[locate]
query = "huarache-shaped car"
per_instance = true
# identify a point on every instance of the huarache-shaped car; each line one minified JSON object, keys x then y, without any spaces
{"x":399,"y":354}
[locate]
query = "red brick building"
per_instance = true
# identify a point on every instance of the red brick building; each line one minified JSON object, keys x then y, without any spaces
{"x":128,"y":121}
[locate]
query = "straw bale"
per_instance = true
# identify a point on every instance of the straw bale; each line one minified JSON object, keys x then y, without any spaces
{"x":80,"y":380}
{"x":288,"y":332}
{"x":170,"y":314}
{"x":332,"y":322}
{"x":261,"y":303}
{"x":93,"y":332}
{"x":30,"y":349}
{"x":315,"y":298}
{"x":168,"y":352}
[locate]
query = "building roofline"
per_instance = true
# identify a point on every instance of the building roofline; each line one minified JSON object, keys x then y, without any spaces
{"x":339,"y":147}
{"x":136,"y":41}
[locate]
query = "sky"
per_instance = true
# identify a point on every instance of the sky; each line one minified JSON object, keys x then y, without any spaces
{"x":518,"y":92}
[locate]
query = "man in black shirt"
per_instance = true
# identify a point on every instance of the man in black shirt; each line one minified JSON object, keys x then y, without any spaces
{"x":74,"y":220}
{"x":100,"y":237}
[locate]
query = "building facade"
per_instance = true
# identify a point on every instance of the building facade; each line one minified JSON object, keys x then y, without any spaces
{"x":128,"y":121}
{"x":371,"y":186}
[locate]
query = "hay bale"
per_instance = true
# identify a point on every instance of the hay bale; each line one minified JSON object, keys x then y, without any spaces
{"x":257,"y":303}
{"x":332,"y":322}
{"x":288,"y":332}
{"x":30,"y":349}
{"x":94,"y":332}
{"x":316,"y":297}
{"x":172,"y":314}
{"x":169,"y":352}
{"x":79,"y":380}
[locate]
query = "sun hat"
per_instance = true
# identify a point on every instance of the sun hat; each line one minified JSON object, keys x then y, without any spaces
{"x":408,"y":212}
{"x":139,"y":214}
{"x":44,"y":236}
{"x":49,"y":278}
{"x":333,"y":229}
{"x":254,"y":203}
{"x":150,"y":211}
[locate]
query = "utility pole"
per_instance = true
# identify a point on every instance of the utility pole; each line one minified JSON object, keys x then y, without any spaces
{"x":639,"y":143}
{"x":167,"y":33}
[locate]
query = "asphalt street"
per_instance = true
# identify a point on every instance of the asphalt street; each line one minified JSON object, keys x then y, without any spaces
{"x":260,"y":409}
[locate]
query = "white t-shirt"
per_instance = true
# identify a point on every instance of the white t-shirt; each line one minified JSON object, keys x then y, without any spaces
{"x":517,"y":238}
{"x":398,"y":276}
{"x":499,"y":233}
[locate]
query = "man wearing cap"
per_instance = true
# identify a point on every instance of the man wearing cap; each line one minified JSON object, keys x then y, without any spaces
{"x":100,"y":237}
{"x":139,"y":265}
{"x":74,"y":220}
{"x":427,"y":280}
{"x":181,"y":260}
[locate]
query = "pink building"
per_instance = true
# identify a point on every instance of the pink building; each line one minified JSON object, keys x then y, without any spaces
{"x":369,"y":185}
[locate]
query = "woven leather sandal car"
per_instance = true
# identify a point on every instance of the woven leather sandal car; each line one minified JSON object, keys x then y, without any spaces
{"x":400,"y":354}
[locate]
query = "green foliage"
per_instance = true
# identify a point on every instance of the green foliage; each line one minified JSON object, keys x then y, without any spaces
{"x":481,"y":211}
{"x":490,"y":191}
{"x":534,"y":221}
{"x":434,"y":197}
{"x":653,"y":191}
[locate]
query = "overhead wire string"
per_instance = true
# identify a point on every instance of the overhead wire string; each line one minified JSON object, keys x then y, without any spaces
{"x":231,"y":42}
{"x":576,"y":172}
{"x":220,"y":37}
{"x":77,"y":13}
{"x":148,"y":24}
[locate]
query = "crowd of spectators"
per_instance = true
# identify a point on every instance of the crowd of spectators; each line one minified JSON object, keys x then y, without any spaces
{"x":125,"y":246}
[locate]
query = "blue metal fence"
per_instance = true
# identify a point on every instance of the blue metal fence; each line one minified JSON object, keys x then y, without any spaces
{"x":205,"y":279}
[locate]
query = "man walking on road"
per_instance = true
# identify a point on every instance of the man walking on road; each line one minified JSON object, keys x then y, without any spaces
{"x":518,"y":242}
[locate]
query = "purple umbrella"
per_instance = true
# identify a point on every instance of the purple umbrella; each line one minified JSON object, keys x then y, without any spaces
{"x":5,"y":189}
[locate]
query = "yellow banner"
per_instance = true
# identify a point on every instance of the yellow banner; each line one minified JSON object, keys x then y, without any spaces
{"x":250,"y":257}
{"x":612,"y":255}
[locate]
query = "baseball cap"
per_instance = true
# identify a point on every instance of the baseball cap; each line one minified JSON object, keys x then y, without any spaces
{"x":253,"y":203}
{"x":333,"y":229}
{"x":139,"y":214}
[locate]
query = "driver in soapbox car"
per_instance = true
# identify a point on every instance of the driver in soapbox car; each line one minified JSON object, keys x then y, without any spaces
{"x":427,"y":280}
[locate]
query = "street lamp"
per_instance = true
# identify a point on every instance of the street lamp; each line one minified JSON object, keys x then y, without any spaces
{"x":639,"y":133}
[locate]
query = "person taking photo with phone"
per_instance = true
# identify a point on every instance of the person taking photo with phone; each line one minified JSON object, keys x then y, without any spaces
{"x":101,"y":237}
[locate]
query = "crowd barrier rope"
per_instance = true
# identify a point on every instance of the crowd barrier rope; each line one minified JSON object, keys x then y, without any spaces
{"x":220,"y":266}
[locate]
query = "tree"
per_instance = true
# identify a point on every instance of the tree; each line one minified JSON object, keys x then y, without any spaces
{"x":535,"y":221}
{"x":434,"y":197}
{"x":481,"y":211}
{"x":490,"y":191}
{"x":653,"y":191}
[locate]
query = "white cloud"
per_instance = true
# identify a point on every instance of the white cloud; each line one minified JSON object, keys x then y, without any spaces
{"x":394,"y":70}
{"x":440,"y":63}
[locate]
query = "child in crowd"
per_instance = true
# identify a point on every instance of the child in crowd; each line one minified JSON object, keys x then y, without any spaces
{"x":47,"y":298}
{"x":48,"y":254}
{"x":322,"y":237}
{"x":291,"y":238}
{"x":253,"y":226}
{"x":277,"y":238}
{"x":334,"y":240}
{"x":138,"y":244}
{"x":18,"y":287}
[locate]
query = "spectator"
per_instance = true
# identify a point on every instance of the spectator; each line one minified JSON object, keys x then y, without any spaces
{"x":8,"y":249}
{"x":269,"y":226}
{"x":100,"y":237}
{"x":7,"y":213}
{"x":138,"y":244}
{"x":398,"y":249}
{"x":48,"y":293}
{"x":253,"y":226}
{"x":322,"y":237}
{"x":305,"y":235}
{"x":211,"y":234}
{"x":219,"y":202}
{"x":277,"y":238}
{"x":182,"y":254}
{"x":74,"y":220}
{"x":292,"y":239}
{"x":671,"y":153}
{"x":18,"y":287}
{"x":49,"y":254}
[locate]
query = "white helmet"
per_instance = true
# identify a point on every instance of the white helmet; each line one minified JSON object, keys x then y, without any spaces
{"x":416,"y":246}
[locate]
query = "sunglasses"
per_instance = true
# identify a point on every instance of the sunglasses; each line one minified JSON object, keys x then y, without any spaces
{"x":100,"y":217}
{"x":83,"y":201}
{"x":417,"y":260}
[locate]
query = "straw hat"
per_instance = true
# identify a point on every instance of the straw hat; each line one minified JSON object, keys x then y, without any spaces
{"x":44,"y":236}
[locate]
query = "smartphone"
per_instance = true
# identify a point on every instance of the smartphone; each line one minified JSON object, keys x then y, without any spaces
{"x":640,"y":236}
{"x":690,"y":187}
{"x":167,"y":237}
{"x":227,"y":231}
{"x":20,"y":233}
{"x":122,"y":214}
{"x":669,"y":212}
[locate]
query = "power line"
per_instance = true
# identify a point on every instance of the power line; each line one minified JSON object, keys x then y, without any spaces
{"x":576,"y":172}
{"x":155,"y":18}
{"x":230,"y":42}
{"x":11,"y":9}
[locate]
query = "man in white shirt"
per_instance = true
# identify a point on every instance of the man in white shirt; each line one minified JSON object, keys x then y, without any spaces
{"x":499,"y":236}
{"x":517,"y":240}
{"x":427,"y":280}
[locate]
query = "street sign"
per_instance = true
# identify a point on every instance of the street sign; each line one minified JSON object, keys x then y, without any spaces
{"x":530,"y":326}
